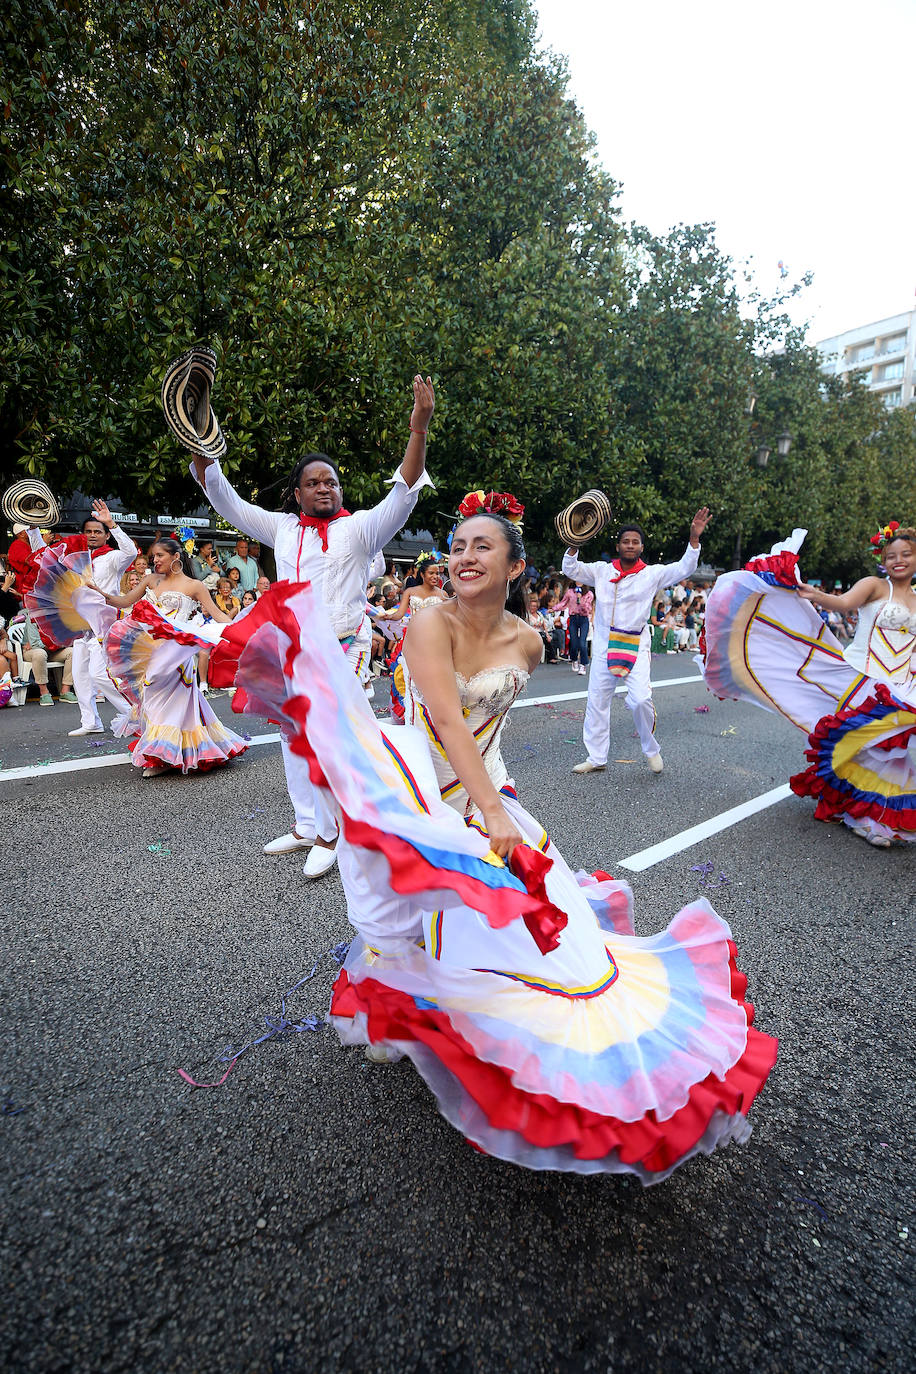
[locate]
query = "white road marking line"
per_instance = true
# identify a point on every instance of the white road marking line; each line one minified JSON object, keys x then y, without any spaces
{"x":106,"y":761}
{"x":110,"y":760}
{"x":577,"y":696}
{"x":656,"y":852}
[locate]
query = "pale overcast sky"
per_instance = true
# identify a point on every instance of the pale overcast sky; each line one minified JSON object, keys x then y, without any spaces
{"x":791,"y":124}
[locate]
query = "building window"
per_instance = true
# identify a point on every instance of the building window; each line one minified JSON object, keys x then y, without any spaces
{"x":862,"y":352}
{"x":891,"y":372}
{"x":895,"y":345}
{"x":892,"y":399}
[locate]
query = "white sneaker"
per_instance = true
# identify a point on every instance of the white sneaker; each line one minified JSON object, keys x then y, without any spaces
{"x":285,"y":844}
{"x":87,"y":730}
{"x":382,"y":1054}
{"x":588,"y":767}
{"x":319,"y":862}
{"x":655,"y":762}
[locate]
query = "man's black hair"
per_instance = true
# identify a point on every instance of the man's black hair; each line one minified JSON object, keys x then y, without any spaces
{"x":625,"y":529}
{"x":289,"y":502}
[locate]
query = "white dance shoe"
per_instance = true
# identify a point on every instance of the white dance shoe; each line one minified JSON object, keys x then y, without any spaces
{"x":589,"y":767}
{"x":319,"y":862}
{"x":286,"y":844}
{"x":382,"y":1054}
{"x":655,"y":762}
{"x":87,"y":730}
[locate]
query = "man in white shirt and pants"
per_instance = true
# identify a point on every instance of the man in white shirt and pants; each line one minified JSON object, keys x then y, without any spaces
{"x":625,"y":590}
{"x":314,"y":539}
{"x":91,"y":677}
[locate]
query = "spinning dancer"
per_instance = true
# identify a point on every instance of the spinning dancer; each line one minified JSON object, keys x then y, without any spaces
{"x":315,"y":539}
{"x":154,"y":650}
{"x":624,"y":593}
{"x":428,"y":593}
{"x":884,"y":645}
{"x":551,"y":1035}
{"x":765,"y":643}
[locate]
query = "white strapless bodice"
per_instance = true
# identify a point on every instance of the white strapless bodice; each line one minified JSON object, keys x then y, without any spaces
{"x":417,"y":603}
{"x":884,"y":645}
{"x":173,"y":605}
{"x":485,"y":701}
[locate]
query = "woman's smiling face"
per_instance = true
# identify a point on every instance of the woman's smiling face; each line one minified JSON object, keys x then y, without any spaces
{"x":479,"y":560}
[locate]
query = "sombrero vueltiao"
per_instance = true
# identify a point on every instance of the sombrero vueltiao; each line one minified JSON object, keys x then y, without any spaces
{"x":584,"y":518}
{"x":186,"y":402}
{"x":31,"y":502}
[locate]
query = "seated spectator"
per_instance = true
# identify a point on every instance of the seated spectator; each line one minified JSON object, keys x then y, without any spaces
{"x":235,"y":579}
{"x":8,"y":665}
{"x":130,"y":580}
{"x":141,"y":563}
{"x":663,"y":639}
{"x":224,"y":598}
{"x":35,"y":653}
{"x":556,"y":628}
{"x":248,"y":599}
{"x":261,"y":586}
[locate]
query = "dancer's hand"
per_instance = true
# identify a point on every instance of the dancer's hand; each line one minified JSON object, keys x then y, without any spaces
{"x":698,"y":525}
{"x":503,"y":832}
{"x":101,"y":512}
{"x":809,"y":593}
{"x":424,"y":403}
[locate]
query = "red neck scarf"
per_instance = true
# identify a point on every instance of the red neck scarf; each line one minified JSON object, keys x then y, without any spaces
{"x":320,"y":523}
{"x":627,"y":572}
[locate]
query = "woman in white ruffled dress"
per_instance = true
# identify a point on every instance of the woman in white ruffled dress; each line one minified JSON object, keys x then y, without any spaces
{"x":551,"y":1035}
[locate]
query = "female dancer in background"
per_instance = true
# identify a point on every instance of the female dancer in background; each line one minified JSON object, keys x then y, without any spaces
{"x":154,"y":650}
{"x":550,"y":1034}
{"x":884,"y":645}
{"x":427,"y":593}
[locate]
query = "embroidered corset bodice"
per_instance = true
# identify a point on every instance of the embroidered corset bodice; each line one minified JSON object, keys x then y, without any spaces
{"x":485,"y":701}
{"x":173,"y":605}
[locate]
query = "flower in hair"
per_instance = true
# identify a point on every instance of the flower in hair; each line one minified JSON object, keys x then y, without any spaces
{"x":884,"y":536}
{"x":185,"y":536}
{"x":492,"y":503}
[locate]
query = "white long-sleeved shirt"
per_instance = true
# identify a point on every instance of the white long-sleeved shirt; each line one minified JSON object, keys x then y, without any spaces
{"x":626,"y":601}
{"x":340,"y":574}
{"x":108,"y":568}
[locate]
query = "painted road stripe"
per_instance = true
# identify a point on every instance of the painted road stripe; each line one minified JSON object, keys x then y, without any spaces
{"x":111,"y":760}
{"x":656,"y":852}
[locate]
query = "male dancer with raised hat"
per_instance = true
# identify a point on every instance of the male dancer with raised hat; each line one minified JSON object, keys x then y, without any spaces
{"x":314,"y":539}
{"x":625,"y":590}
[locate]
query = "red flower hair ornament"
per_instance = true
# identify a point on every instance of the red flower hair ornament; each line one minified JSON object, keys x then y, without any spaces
{"x":492,"y":503}
{"x":884,"y":536}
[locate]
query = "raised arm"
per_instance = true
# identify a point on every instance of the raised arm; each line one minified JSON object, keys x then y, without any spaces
{"x":430,"y":659}
{"x":380,"y":524}
{"x":254,"y":520}
{"x":126,"y":548}
{"x":577,"y":571}
{"x":867,"y":589}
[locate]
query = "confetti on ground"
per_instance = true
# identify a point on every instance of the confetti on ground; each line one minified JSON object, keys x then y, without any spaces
{"x":702,"y":710}
{"x":161,"y":850}
{"x":258,"y":811}
{"x":816,"y":1205}
{"x":8,"y":1107}
{"x":276,"y":1025}
{"x":730,"y":731}
{"x":706,"y":878}
{"x":43,"y":763}
{"x":624,"y":760}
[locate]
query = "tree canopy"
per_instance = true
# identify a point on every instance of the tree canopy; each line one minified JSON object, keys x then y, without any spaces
{"x":336,"y":195}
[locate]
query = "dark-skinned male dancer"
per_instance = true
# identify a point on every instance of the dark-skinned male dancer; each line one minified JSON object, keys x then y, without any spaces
{"x":314,"y":539}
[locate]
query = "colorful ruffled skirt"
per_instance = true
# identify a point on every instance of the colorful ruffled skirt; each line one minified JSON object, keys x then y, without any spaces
{"x":766,"y":645}
{"x":550,"y":1033}
{"x":155,"y":661}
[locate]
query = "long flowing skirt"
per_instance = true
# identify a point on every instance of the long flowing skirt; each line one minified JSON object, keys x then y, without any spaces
{"x":766,"y":645}
{"x":550,"y":1034}
{"x":155,"y":659}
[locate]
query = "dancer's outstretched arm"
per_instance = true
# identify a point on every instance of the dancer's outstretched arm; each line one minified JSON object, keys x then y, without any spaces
{"x":380,"y":524}
{"x":261,"y":524}
{"x":671,"y":573}
{"x":124,"y":599}
{"x":865,"y":590}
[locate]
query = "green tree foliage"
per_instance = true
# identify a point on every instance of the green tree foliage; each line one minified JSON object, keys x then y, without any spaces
{"x":336,"y":195}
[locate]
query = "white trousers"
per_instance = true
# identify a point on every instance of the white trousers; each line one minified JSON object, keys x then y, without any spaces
{"x":596,"y":731}
{"x":314,"y":811}
{"x":91,"y":676}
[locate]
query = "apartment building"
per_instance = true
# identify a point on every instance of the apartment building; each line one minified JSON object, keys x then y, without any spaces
{"x":882,"y":354}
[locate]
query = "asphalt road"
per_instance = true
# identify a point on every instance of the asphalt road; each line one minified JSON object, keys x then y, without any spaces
{"x":315,"y":1212}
